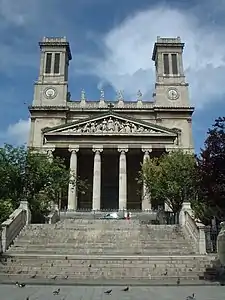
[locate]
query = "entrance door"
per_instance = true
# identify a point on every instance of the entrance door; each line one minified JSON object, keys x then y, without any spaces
{"x":109,"y":197}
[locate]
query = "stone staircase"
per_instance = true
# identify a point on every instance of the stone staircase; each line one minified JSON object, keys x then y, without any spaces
{"x":83,"y":249}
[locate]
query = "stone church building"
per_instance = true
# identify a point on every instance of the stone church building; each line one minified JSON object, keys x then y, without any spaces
{"x":105,"y":141}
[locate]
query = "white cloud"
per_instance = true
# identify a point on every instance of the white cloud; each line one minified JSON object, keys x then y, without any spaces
{"x":126,"y":63}
{"x":18,"y":133}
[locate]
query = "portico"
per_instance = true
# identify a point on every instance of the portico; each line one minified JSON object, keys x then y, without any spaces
{"x":110,"y":168}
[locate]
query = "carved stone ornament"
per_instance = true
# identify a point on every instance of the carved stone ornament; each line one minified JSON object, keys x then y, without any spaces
{"x":111,"y":125}
{"x":119,"y":95}
{"x":83,"y":95}
{"x":102,"y":94}
{"x":139,"y":95}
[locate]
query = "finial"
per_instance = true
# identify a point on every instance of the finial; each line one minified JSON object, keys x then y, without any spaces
{"x":119,"y":95}
{"x":102,"y":95}
{"x":139,"y":95}
{"x":110,"y":106}
{"x":83,"y":95}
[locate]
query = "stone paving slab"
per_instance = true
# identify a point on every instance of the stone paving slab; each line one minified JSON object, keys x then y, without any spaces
{"x":113,"y":282}
{"x":45,"y":292}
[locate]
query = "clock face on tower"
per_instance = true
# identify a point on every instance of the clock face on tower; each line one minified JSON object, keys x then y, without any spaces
{"x":50,"y":93}
{"x":172,"y":94}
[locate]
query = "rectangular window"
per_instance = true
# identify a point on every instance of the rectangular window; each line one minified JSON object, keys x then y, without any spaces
{"x":56,"y":63}
{"x":166,"y":64}
{"x":48,"y":63}
{"x":174,"y":64}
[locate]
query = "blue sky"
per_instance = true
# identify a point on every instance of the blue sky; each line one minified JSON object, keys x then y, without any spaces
{"x":111,"y":43}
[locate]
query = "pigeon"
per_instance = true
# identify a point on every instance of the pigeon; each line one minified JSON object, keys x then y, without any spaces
{"x":178,"y":281}
{"x":192,"y":297}
{"x":166,"y":272}
{"x":33,"y":276}
{"x":28,"y":298}
{"x":54,"y":277}
{"x":126,"y":289}
{"x":19,"y":272}
{"x":51,"y":264}
{"x":89,"y":266}
{"x":66,"y":258}
{"x":66,"y":277}
{"x":56,"y":292}
{"x":21,"y":285}
{"x":108,"y":292}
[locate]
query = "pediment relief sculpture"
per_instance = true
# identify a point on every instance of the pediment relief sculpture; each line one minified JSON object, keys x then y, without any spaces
{"x":111,"y":125}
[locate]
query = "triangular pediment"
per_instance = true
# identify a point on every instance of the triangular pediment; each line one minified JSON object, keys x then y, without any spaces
{"x":110,"y":124}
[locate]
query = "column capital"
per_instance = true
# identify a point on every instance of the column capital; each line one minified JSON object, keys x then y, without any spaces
{"x":146,"y":149}
{"x":171,"y":148}
{"x":123,"y":148}
{"x":97,"y":148}
{"x":73,"y":149}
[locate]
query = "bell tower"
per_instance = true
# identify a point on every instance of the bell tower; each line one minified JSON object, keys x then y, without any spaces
{"x":51,"y":88}
{"x":171,"y":89}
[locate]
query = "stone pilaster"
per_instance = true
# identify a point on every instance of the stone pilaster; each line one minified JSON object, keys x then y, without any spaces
{"x":48,"y":150}
{"x":72,"y":189}
{"x":146,"y":204}
{"x":123,"y":178}
{"x":96,"y":197}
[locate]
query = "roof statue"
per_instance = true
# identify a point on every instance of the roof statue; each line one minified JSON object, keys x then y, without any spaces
{"x":102,"y":94}
{"x":83,"y":95}
{"x":119,"y":95}
{"x":139,"y":95}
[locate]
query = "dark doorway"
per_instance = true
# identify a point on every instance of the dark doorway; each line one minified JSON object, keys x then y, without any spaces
{"x":110,"y":180}
{"x":85,"y":172}
{"x":134,"y":159}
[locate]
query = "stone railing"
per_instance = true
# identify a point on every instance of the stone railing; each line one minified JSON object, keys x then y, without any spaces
{"x":14,"y":224}
{"x":196,"y":232}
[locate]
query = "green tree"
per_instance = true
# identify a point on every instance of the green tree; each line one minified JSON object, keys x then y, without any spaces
{"x":170,"y":179}
{"x":211,"y":175}
{"x":33,"y":177}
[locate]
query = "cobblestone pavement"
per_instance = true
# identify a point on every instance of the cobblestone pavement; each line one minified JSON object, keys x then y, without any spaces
{"x":13,"y":292}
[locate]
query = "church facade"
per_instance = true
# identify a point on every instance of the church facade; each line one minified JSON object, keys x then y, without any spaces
{"x":105,"y":142}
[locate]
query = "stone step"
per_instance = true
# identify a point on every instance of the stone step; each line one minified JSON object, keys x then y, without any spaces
{"x":109,"y":252}
{"x":75,"y":243}
{"x":108,"y":268}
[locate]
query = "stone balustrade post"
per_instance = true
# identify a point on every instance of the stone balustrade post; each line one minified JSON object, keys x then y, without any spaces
{"x":123,"y":178}
{"x":202,"y":239}
{"x":72,"y":188}
{"x":96,"y":197}
{"x":24,"y":205}
{"x":146,"y":203}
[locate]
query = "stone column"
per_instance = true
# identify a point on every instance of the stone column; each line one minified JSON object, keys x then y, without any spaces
{"x":96,"y":196}
{"x":72,"y":189}
{"x":169,"y":149}
{"x":146,"y":204}
{"x":123,"y":178}
{"x":48,"y":150}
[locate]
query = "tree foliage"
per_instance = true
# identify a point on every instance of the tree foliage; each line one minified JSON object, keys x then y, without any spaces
{"x":30,"y":176}
{"x":211,"y":175}
{"x":170,"y":178}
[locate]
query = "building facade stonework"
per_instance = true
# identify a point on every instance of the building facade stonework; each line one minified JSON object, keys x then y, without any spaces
{"x":105,"y":142}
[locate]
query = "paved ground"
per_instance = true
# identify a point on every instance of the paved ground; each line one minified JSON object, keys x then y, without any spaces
{"x":97,"y":293}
